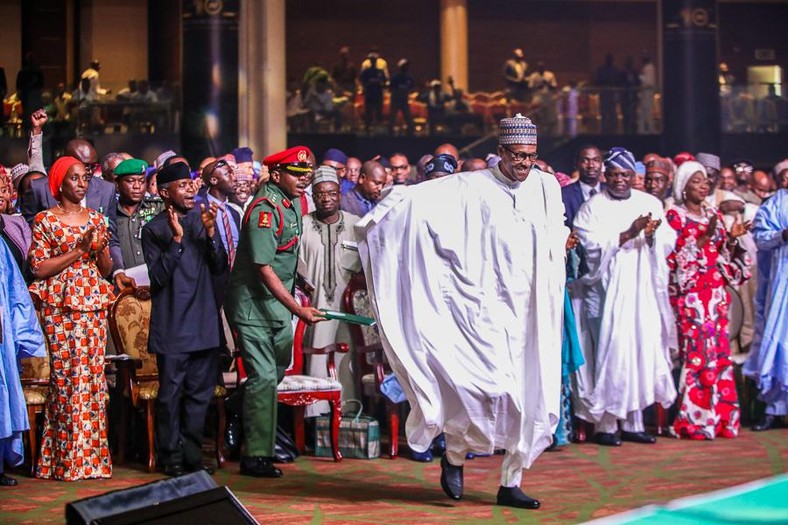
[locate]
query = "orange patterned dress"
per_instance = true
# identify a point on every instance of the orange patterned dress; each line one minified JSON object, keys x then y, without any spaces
{"x":74,"y":319}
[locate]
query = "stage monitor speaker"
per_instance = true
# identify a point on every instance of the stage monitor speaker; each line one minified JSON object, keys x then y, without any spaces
{"x":186,"y":500}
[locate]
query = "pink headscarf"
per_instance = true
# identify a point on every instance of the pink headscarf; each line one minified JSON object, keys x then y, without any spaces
{"x":58,"y":172}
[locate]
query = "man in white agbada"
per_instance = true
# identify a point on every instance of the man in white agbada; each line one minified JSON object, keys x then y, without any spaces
{"x":329,"y":266}
{"x":626,"y":322}
{"x":466,"y":278}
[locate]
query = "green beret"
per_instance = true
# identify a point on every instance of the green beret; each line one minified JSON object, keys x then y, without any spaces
{"x":131,"y":167}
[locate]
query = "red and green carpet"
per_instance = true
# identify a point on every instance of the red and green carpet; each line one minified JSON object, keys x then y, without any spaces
{"x":575,"y":484}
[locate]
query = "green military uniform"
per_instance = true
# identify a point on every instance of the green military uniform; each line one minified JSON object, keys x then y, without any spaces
{"x":270,"y":236}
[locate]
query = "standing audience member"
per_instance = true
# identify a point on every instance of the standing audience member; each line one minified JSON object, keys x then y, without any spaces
{"x":648,"y":88}
{"x":626,"y":320}
{"x":514,"y":72}
{"x":260,"y":305}
{"x":589,"y":167}
{"x":353,"y":173}
{"x":366,"y":192}
{"x":135,"y":209}
{"x":400,"y":168}
{"x":706,"y":259}
{"x":20,"y":337}
{"x":69,"y":258}
{"x":608,"y":80}
{"x":657,"y":179}
{"x":373,"y":80}
{"x":100,"y":195}
{"x":329,"y":266}
{"x":767,"y":363}
{"x":185,"y":256}
{"x":439,"y":166}
{"x":13,"y":228}
{"x":401,"y":86}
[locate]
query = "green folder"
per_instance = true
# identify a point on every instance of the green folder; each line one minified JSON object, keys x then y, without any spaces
{"x":349,"y":318}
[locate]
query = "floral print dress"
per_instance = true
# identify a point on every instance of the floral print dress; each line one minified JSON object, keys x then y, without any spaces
{"x":708,"y":403}
{"x":74,"y":318}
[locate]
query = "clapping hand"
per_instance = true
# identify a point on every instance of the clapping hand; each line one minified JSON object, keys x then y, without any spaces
{"x":208,"y":217}
{"x":740,"y":228}
{"x":639,"y":224}
{"x":175,"y":224}
{"x":710,"y":229}
{"x":86,"y":243}
{"x":101,"y":240}
{"x":651,"y":226}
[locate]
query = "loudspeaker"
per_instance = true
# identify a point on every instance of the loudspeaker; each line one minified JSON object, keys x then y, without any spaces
{"x":185,"y":500}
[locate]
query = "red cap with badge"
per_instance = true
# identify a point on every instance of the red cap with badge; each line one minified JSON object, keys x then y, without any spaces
{"x":295,"y":157}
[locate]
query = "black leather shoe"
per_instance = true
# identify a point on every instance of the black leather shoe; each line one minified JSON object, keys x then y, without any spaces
{"x":768,"y":422}
{"x":451,"y":479}
{"x":174,"y":470}
{"x":198,"y":467}
{"x":8,"y":481}
{"x":259,"y":467}
{"x":638,"y":437}
{"x":514,"y":497}
{"x":607,"y":440}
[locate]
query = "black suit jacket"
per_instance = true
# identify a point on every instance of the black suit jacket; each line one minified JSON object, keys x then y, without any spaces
{"x":184,"y":310}
{"x":101,"y":197}
{"x":572,"y":195}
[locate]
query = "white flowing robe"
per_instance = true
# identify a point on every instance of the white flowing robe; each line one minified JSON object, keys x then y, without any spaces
{"x":329,"y":266}
{"x":625,"y":319}
{"x":466,"y":277}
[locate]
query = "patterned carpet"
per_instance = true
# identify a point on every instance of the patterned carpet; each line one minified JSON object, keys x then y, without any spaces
{"x":575,"y":484}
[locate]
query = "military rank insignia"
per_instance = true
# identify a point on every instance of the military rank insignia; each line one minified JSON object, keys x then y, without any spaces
{"x":264,"y":221}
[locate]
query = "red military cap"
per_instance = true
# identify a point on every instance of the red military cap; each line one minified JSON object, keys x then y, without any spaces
{"x":298,"y":156}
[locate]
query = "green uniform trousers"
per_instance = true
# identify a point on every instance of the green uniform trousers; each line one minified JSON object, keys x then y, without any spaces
{"x":266,"y":353}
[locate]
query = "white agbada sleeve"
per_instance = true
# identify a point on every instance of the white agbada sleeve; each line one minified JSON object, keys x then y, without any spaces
{"x":454,"y":277}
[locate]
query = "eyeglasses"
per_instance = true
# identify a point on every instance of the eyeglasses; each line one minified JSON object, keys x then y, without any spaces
{"x":521,"y":156}
{"x":90,"y":169}
{"x":397,"y":168}
{"x":320,"y":194}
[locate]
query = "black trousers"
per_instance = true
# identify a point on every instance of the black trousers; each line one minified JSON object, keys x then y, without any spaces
{"x":186,"y":385}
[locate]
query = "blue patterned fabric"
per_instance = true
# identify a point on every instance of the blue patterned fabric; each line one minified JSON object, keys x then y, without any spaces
{"x":21,"y":337}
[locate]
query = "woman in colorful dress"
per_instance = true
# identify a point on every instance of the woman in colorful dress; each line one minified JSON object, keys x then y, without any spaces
{"x":69,"y":259}
{"x":705,"y":260}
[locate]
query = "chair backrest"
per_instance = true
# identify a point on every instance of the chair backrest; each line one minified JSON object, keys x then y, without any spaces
{"x":297,"y":362}
{"x":129,"y":324}
{"x":355,"y":300}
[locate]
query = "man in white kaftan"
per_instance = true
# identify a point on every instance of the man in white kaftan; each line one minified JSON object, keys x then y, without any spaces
{"x":625,"y":318}
{"x":466,"y":278}
{"x":329,"y":265}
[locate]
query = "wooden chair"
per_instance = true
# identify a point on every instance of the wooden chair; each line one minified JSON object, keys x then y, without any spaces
{"x":129,"y":323}
{"x":370,"y":361}
{"x":34,"y":373}
{"x":298,"y":390}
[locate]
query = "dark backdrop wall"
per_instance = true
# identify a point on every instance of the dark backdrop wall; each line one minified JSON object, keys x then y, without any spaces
{"x":316,"y":29}
{"x":745,"y":28}
{"x":571,"y":37}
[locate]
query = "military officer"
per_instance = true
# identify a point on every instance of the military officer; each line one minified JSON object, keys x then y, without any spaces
{"x":259,"y":301}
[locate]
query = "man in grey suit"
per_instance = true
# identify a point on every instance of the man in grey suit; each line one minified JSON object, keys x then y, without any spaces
{"x":101,"y":195}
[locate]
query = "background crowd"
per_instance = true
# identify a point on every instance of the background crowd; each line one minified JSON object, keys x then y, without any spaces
{"x":663,"y":248}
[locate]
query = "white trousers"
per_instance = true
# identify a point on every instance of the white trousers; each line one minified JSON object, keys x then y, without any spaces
{"x":609,"y":424}
{"x":511,"y":469}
